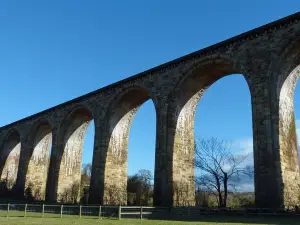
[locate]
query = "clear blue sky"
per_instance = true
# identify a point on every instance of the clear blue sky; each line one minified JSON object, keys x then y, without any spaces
{"x":53,"y":51}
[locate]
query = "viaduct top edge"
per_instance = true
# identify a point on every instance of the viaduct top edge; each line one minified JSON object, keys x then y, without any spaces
{"x":277,"y":24}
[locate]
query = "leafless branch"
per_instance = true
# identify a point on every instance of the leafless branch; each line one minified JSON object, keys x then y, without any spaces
{"x":218,"y":166}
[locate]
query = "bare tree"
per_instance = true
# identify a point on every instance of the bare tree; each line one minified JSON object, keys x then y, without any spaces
{"x":219,"y":168}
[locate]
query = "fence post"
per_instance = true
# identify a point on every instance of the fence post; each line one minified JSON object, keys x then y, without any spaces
{"x":99,"y":212}
{"x":80,"y":211}
{"x":141,"y":213}
{"x":61,"y":210}
{"x":7,"y":210}
{"x":43,"y":210}
{"x":120,"y":212}
{"x":25,"y":210}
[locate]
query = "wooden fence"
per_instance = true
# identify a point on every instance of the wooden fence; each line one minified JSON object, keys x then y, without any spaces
{"x":140,"y":212}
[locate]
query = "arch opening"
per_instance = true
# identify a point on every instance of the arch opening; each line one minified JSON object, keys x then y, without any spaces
{"x":120,"y":116}
{"x":10,"y":156}
{"x":141,"y":156}
{"x":87,"y":158}
{"x":184,"y":102}
{"x":223,"y":127}
{"x":70,"y":149}
{"x":39,"y":159}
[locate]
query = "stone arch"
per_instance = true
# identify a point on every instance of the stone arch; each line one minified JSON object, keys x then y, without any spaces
{"x":183,"y":102}
{"x":36,"y":170}
{"x":287,"y":61}
{"x":10,"y":156}
{"x":119,"y":117}
{"x":70,"y":143}
{"x":191,"y":82}
{"x":288,"y":69}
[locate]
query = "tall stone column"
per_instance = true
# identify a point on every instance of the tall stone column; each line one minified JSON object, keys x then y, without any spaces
{"x":162,"y":173}
{"x":109,"y":172}
{"x":265,"y":156}
{"x":53,"y":172}
{"x":23,"y":164}
{"x":34,"y":162}
{"x":65,"y":164}
{"x":174,"y":156}
{"x":96,"y":192}
{"x":275,"y":146}
{"x":111,"y":151}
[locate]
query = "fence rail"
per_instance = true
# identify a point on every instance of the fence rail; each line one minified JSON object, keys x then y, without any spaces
{"x":140,"y":212}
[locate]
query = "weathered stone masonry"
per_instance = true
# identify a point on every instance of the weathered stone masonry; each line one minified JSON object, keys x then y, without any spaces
{"x":269,"y":59}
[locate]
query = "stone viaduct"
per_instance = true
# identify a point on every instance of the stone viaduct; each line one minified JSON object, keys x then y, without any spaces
{"x":44,"y":150}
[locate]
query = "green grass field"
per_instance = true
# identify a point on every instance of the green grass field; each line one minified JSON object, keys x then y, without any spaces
{"x":17,"y":217}
{"x":206,"y":220}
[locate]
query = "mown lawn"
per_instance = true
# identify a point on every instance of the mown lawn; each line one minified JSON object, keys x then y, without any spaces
{"x":206,"y":220}
{"x":17,"y":217}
